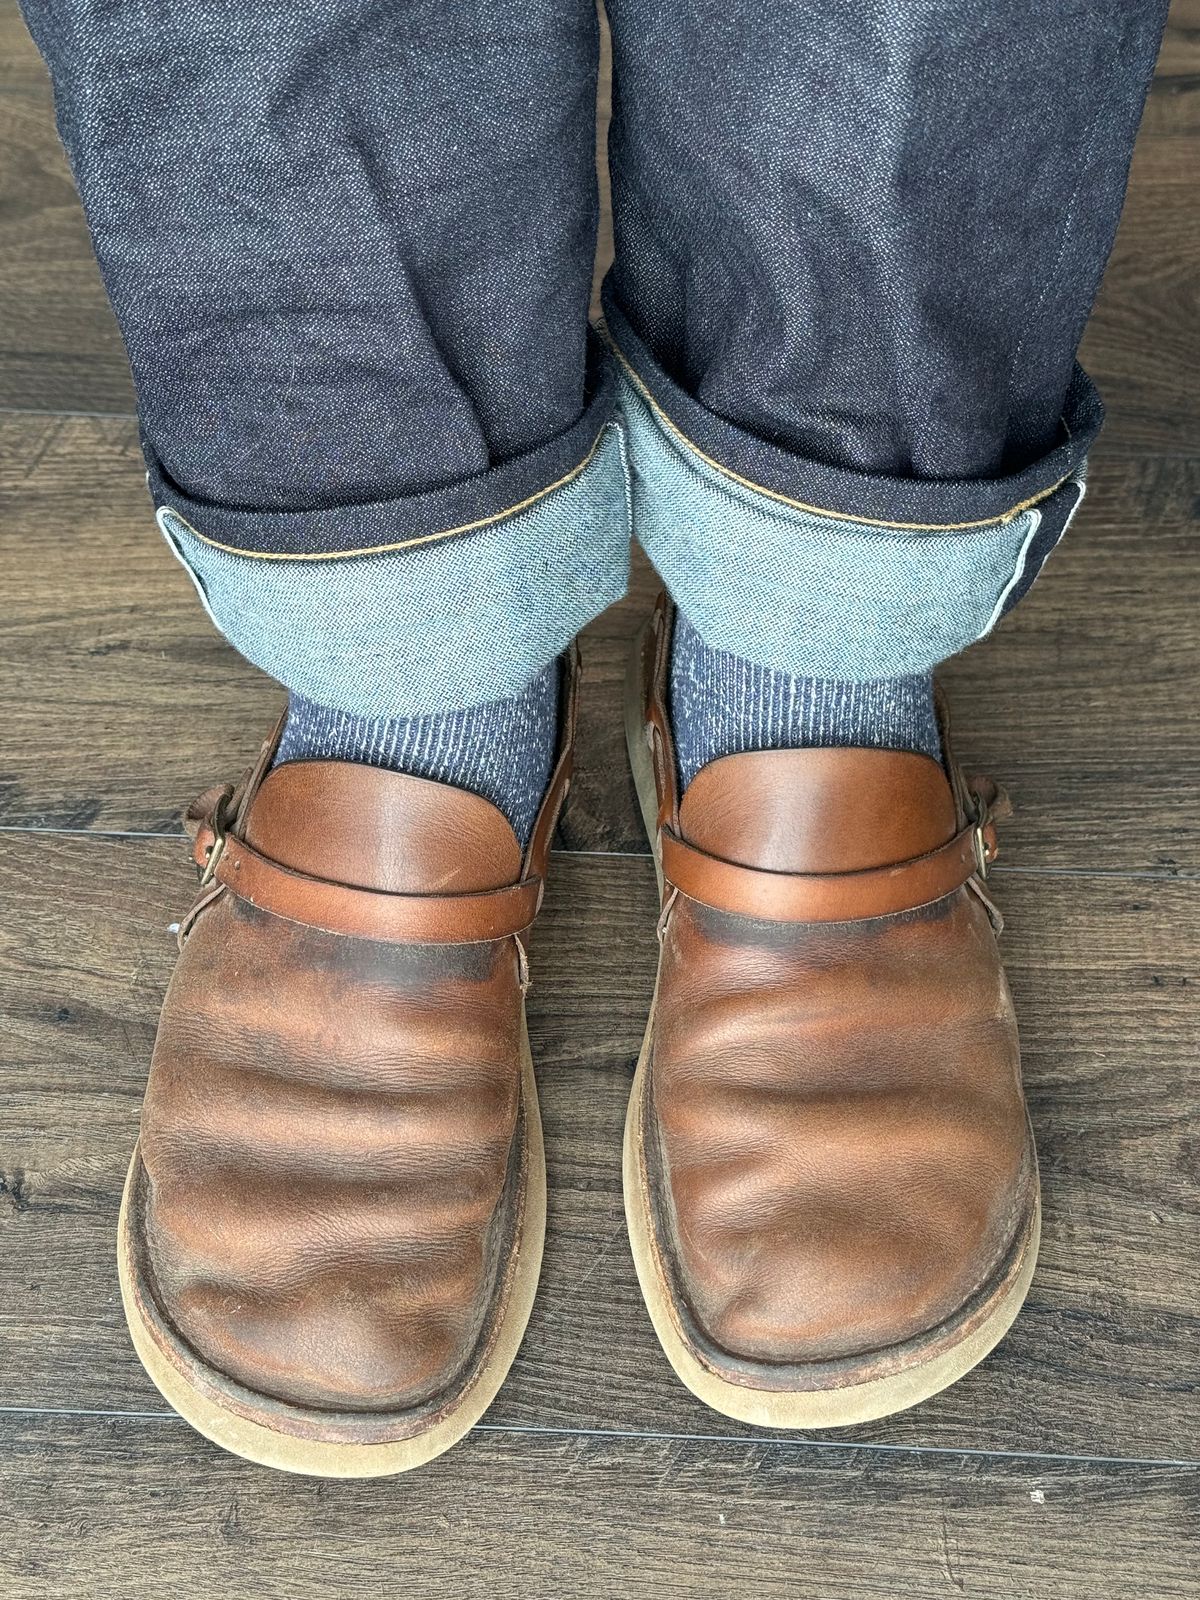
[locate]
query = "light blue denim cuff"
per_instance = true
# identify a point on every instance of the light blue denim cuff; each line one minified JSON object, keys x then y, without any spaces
{"x":432,"y":623}
{"x":811,"y":592}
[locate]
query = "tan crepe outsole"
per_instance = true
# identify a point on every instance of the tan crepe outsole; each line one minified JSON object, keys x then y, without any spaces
{"x":773,"y":1408}
{"x":269,"y":1447}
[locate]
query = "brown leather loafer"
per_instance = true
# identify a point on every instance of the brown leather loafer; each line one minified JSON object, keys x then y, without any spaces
{"x":332,"y":1226}
{"x":830,"y":1180}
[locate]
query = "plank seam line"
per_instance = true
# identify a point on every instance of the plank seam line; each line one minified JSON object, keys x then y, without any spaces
{"x":85,"y":416}
{"x":648,"y":1435}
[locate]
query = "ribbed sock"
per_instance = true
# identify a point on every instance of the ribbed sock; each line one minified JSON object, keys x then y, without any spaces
{"x":722,"y":705}
{"x":502,"y":750}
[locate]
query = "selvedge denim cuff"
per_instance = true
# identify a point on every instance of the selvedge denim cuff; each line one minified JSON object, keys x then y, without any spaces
{"x":427,"y":602}
{"x":820,"y":571}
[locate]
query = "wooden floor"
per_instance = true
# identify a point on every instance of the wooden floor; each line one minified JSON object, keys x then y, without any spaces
{"x":1068,"y":1465}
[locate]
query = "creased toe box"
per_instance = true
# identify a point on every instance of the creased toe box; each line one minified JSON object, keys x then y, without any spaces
{"x":331,"y":1170}
{"x":841,"y":1153}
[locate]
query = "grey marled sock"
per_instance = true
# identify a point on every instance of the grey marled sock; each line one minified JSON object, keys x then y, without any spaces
{"x":502,"y":750}
{"x":722,"y":705}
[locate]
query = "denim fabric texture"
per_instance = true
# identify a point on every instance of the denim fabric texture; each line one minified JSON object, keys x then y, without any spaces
{"x":372,"y":526}
{"x":350,"y":252}
{"x":803,"y":593}
{"x":438,"y":626}
{"x":349,"y":246}
{"x":869,"y":232}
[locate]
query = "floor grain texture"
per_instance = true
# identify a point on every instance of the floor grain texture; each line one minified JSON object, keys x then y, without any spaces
{"x":1067,"y":1466}
{"x":512,"y":1515}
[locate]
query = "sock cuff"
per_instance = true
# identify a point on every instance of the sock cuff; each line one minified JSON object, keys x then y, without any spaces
{"x":724,"y":705}
{"x":502,"y":749}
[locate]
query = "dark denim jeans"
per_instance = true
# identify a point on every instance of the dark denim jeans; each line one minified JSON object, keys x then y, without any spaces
{"x":349,"y":247}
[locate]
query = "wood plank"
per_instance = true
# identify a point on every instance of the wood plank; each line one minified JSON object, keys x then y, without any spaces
{"x":20,"y":62}
{"x":1179,"y":59}
{"x":1142,"y":346}
{"x":59,"y":344}
{"x":135,"y":1509}
{"x":104,"y":644}
{"x":120,"y":702}
{"x":1101,"y":1362}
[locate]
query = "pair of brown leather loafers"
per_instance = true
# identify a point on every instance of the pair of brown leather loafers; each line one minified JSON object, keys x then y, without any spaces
{"x":332,"y":1226}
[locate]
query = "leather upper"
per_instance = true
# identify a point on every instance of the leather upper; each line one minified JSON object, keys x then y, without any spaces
{"x":835,"y":1102}
{"x":328,"y":1132}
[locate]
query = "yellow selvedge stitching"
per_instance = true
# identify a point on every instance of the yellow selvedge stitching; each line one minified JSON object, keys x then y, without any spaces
{"x":799,"y":505}
{"x":404,"y":544}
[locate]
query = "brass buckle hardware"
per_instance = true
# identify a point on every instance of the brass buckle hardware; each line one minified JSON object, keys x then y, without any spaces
{"x":982,"y":858}
{"x":213,"y":854}
{"x":981,"y":851}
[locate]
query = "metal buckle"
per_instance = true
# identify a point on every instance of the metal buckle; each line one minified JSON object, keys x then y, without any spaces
{"x":981,"y":851}
{"x":977,"y":838}
{"x":215,"y":849}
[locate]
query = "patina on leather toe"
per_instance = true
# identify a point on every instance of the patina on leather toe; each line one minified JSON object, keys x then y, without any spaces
{"x":335,"y":1213}
{"x":830,"y":1176}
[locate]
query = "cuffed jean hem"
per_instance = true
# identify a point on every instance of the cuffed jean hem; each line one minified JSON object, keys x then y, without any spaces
{"x":818,"y":571}
{"x":425,"y":603}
